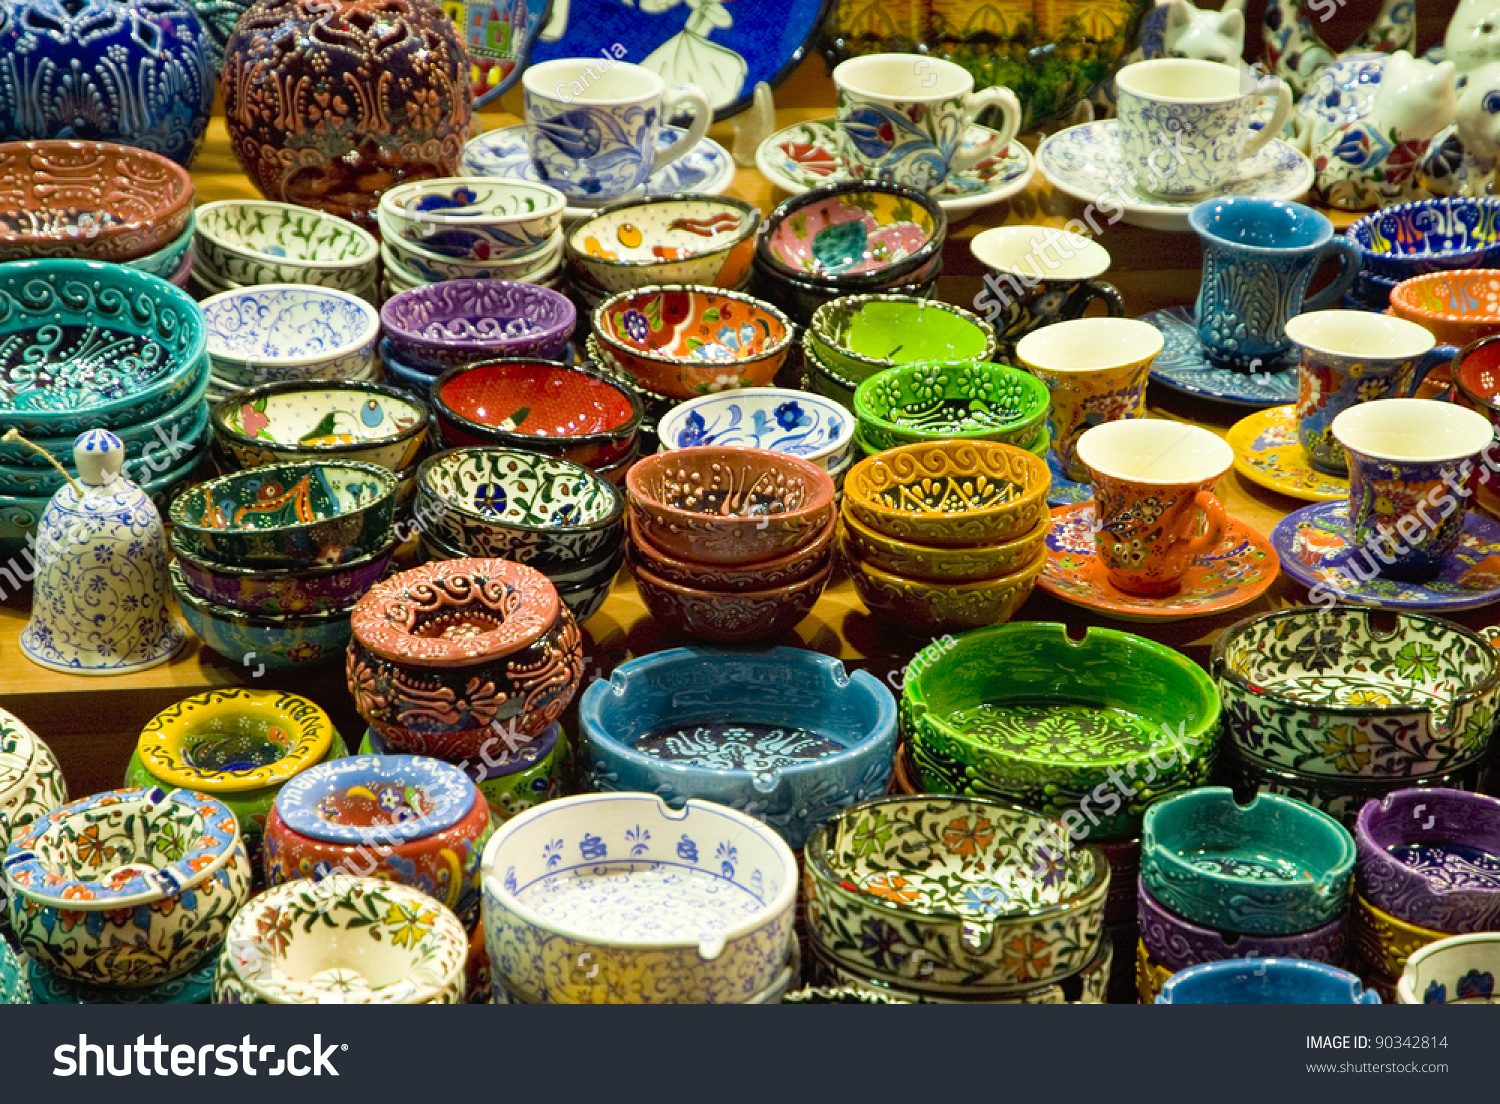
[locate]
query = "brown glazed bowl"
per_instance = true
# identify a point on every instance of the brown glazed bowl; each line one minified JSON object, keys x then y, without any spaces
{"x":728,"y":505}
{"x":455,"y":654}
{"x":737,"y":578}
{"x":726,"y":618}
{"x":93,"y":200}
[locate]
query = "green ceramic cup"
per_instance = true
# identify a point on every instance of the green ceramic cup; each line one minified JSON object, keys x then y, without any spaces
{"x":940,"y":400}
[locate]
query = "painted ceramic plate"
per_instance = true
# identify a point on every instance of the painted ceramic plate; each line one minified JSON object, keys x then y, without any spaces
{"x":1315,"y":552}
{"x":1267,"y":453}
{"x":1183,"y":366}
{"x":1085,"y":163}
{"x":706,"y":169}
{"x":806,"y":155}
{"x":1064,"y":491}
{"x":1237,"y":572}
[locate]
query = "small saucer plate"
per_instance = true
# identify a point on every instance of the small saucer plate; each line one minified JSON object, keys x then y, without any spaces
{"x":1237,"y":572}
{"x":1085,"y":162}
{"x":1064,"y":491}
{"x":807,"y":155}
{"x":1183,"y":366}
{"x":1314,"y":547}
{"x":1267,"y":453}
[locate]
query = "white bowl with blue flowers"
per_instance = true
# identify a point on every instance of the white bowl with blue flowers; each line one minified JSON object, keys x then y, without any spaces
{"x":275,"y":332}
{"x":798,"y":423}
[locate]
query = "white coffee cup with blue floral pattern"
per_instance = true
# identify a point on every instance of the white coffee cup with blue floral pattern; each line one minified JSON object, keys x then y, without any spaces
{"x":1184,"y":125}
{"x":593,"y":124}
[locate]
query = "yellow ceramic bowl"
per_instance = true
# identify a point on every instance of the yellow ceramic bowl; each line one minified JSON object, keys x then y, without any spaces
{"x":942,"y":565}
{"x":942,"y":607}
{"x":1383,"y":941}
{"x":950,"y":494}
{"x":1150,"y":975}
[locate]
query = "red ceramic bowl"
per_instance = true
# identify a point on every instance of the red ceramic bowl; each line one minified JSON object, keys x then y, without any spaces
{"x":782,"y":571}
{"x":728,"y":505}
{"x":1457,"y":307}
{"x":728,"y":618}
{"x":1476,"y":380}
{"x":538,"y":406}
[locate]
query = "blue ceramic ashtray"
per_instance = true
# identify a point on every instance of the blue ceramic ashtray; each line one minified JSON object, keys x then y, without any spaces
{"x":417,"y":797}
{"x":785,"y":735}
{"x":794,"y":422}
{"x":1265,"y":981}
{"x":1411,"y":239}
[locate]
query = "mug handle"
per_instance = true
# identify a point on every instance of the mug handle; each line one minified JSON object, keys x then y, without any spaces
{"x":1108,"y":294}
{"x":1348,"y":253}
{"x":684,"y":95}
{"x":1010,"y":123}
{"x":1218,"y":522}
{"x":1283,"y":96}
{"x":1443,"y":354}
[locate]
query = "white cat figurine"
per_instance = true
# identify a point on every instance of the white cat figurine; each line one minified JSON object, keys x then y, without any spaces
{"x":1461,"y":160}
{"x":1473,"y":37}
{"x":1295,"y":52}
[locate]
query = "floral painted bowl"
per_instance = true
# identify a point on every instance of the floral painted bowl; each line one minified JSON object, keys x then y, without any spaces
{"x":1411,"y":239}
{"x":726,"y":617}
{"x":447,"y":655}
{"x":920,"y":606}
{"x":934,"y":402}
{"x":278,"y":591}
{"x":993,"y":896}
{"x":413,"y":263}
{"x":194,"y":987}
{"x":343,"y":940}
{"x":253,"y":641}
{"x":797,"y":565}
{"x":859,"y":335}
{"x":1461,"y":970}
{"x":474,"y":220}
{"x":785,"y":735}
{"x":619,"y":899}
{"x":168,"y":261}
{"x":801,"y":299}
{"x":949,"y":494}
{"x":1176,"y":944}
{"x":31,"y":785}
{"x":1265,"y":981}
{"x":923,"y":563}
{"x":1341,"y":692}
{"x":288,"y":515}
{"x":1272,"y":867}
{"x":64,"y":199}
{"x":550,"y":514}
{"x":728,"y":505}
{"x":706,"y":241}
{"x":1458,"y":307}
{"x":83,"y":342}
{"x":689,"y":341}
{"x":854,"y":236}
{"x":401,"y":818}
{"x":255,"y":241}
{"x":441,"y":326}
{"x":1431,"y":857}
{"x":276,"y":332}
{"x":538,"y":406}
{"x":300,"y":420}
{"x":1012,"y":713}
{"x":127,"y":887}
{"x":773,"y":418}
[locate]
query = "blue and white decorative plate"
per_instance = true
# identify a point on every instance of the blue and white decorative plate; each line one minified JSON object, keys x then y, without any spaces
{"x":1183,"y":366}
{"x":1085,"y":162}
{"x":504,"y":154}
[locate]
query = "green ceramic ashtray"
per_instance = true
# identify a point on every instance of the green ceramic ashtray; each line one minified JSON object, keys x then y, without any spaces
{"x":859,"y":335}
{"x":1091,"y":731}
{"x":934,"y":401}
{"x":1272,"y":867}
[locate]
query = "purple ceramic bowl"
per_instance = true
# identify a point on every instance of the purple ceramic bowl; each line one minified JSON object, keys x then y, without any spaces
{"x":459,"y":322}
{"x":1176,"y":944}
{"x":1431,"y":857}
{"x":279,"y":592}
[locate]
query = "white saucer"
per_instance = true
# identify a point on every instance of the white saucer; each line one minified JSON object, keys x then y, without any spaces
{"x":1085,"y":163}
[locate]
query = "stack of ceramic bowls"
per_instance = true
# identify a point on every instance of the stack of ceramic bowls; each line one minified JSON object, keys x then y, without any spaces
{"x":1460,"y":970}
{"x":1265,"y":981}
{"x":31,"y":785}
{"x":563,"y":929}
{"x":244,"y":242}
{"x":945,"y":535}
{"x":956,"y":899}
{"x":706,"y":241}
{"x":861,"y":236}
{"x":1429,"y":868}
{"x":969,"y":399}
{"x":1412,"y":239}
{"x":148,"y":388}
{"x":64,"y":199}
{"x":544,"y":407}
{"x":271,"y":560}
{"x":1219,"y":880}
{"x":552,"y":515}
{"x":848,"y":340}
{"x":729,"y":544}
{"x":1337,"y":706}
{"x":459,"y":228}
{"x":436,"y":327}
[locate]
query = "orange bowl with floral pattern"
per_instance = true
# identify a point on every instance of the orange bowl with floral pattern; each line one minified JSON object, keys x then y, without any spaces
{"x":1458,"y":307}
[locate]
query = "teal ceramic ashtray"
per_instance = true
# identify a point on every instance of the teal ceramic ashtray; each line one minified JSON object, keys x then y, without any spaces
{"x":936,"y":401}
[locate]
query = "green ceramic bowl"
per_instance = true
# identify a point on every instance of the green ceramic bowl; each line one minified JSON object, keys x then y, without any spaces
{"x":934,"y":401}
{"x":859,"y":335}
{"x":1091,"y":731}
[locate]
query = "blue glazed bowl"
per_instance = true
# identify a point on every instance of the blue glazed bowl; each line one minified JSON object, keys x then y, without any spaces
{"x":160,"y":458}
{"x":194,"y":987}
{"x":784,"y":735}
{"x":274,"y":332}
{"x":253,"y":641}
{"x":1411,"y":239}
{"x":166,"y":261}
{"x":84,"y":343}
{"x":14,"y":988}
{"x":797,"y":423}
{"x":1265,"y":981}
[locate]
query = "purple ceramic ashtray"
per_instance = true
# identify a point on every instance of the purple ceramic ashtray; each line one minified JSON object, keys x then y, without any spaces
{"x":457,"y":322}
{"x":1431,"y":857}
{"x":1176,"y":944}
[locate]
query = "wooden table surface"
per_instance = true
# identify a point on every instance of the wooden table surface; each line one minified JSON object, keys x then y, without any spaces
{"x":92,"y":723}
